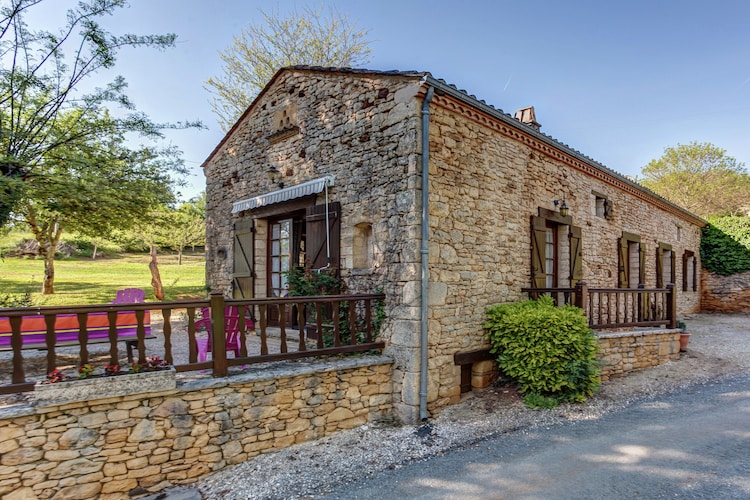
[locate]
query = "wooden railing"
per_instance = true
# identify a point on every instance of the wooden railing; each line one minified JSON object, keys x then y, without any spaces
{"x":618,"y":307}
{"x":341,"y":324}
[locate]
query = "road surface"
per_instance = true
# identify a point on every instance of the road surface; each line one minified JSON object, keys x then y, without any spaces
{"x":691,"y":444}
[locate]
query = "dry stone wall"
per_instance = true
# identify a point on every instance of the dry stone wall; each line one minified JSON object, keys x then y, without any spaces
{"x":725,"y":293}
{"x":623,"y":352}
{"x":106,"y":448}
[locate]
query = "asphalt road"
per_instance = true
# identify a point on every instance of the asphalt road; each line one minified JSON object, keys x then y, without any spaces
{"x":692,"y":444}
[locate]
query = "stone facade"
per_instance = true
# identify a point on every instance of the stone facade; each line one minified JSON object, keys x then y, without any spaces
{"x":725,"y":293}
{"x":623,"y":352}
{"x":489,"y":175}
{"x":106,"y":448}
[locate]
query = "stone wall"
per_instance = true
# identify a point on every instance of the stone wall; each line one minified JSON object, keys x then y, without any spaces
{"x":623,"y":352}
{"x":486,"y":182}
{"x":725,"y":293}
{"x":108,"y":447}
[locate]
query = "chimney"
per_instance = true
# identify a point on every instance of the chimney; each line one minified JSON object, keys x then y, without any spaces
{"x":528,"y":117}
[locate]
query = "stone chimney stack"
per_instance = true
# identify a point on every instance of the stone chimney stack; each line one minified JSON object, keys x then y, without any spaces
{"x":527,"y":116}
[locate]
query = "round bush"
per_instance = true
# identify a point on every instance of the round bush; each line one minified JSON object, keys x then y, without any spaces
{"x":550,"y":351}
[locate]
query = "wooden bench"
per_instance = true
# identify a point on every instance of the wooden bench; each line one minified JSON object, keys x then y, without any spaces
{"x":34,"y":330}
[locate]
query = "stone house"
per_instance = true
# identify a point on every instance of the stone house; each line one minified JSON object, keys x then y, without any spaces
{"x":507,"y":207}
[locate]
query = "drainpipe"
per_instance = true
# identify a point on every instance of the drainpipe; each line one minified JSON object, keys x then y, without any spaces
{"x":424,"y":251}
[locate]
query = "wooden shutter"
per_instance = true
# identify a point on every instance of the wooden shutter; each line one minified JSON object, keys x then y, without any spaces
{"x":695,"y":273}
{"x":672,"y":274}
{"x":538,"y":242}
{"x":316,"y":251}
{"x":659,"y":267}
{"x":623,"y":264}
{"x":242,"y":259}
{"x":576,"y":255}
{"x":641,"y":263}
{"x":685,"y":258}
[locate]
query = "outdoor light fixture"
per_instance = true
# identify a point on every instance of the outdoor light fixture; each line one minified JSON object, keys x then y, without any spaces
{"x":563,"y":207}
{"x":275,"y":175}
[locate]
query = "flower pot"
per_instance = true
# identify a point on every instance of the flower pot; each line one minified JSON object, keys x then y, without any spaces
{"x":684,"y":339}
{"x":91,"y":388}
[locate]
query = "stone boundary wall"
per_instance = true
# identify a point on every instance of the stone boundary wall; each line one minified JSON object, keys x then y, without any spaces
{"x":725,"y":293}
{"x":107,"y":448}
{"x":623,"y":352}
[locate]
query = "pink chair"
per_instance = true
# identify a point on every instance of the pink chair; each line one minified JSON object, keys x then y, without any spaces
{"x":130,"y":296}
{"x":231,"y":330}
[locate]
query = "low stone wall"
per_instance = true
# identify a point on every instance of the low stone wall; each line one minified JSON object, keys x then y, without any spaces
{"x":106,"y":448}
{"x":725,"y":293}
{"x":623,"y":352}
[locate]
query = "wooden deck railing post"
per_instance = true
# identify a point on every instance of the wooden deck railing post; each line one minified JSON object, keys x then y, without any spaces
{"x":581,"y":295}
{"x":218,"y":339}
{"x":672,"y":305}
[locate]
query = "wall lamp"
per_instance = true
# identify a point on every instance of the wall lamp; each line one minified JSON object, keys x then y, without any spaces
{"x":563,"y":207}
{"x":275,"y":176}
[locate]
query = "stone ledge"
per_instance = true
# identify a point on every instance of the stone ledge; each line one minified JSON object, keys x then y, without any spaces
{"x":637,"y":333}
{"x":96,"y":388}
{"x":283,"y":369}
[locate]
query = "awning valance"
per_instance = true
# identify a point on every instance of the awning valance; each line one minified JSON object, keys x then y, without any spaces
{"x":289,"y":193}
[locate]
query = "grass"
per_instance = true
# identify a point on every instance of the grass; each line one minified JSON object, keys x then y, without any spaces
{"x":85,"y":281}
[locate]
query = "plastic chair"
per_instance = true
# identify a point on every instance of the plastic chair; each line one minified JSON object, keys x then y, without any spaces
{"x":130,"y":296}
{"x":231,"y":330}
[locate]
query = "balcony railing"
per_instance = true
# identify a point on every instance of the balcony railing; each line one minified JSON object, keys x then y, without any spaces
{"x":319,"y":326}
{"x":618,"y":307}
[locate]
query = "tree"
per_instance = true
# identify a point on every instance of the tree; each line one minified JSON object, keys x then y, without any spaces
{"x":183,"y":227}
{"x":93,"y":185}
{"x":41,"y":78}
{"x":307,"y":37}
{"x":699,"y":177}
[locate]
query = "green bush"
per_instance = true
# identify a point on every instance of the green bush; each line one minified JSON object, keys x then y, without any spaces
{"x":550,"y":351}
{"x":13,"y":300}
{"x":725,"y":245}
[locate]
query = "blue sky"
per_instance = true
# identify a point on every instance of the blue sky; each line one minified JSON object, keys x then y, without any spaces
{"x":618,"y":81}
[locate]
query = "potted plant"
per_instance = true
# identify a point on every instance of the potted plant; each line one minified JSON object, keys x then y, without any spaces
{"x":684,"y":336}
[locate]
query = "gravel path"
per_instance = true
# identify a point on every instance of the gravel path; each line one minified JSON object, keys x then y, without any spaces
{"x":719,"y":346}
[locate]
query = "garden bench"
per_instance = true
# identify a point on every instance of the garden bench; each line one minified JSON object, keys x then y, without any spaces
{"x":34,"y":330}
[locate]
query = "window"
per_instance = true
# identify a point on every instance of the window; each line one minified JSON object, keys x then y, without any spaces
{"x":279,"y":256}
{"x":665,"y":265}
{"x":553,"y":237}
{"x":630,"y":265}
{"x":689,"y":268}
{"x":602,"y":205}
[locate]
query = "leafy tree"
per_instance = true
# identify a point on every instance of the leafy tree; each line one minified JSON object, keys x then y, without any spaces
{"x":183,"y":227}
{"x":93,"y":186}
{"x":701,"y":178}
{"x":304,"y":37}
{"x":41,"y":79}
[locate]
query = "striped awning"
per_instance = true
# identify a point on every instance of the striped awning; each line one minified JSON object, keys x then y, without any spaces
{"x":289,"y":193}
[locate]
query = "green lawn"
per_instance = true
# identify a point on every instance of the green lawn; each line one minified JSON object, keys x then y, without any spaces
{"x":86,"y":281}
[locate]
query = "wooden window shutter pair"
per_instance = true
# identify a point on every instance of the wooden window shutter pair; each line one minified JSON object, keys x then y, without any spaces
{"x":538,"y":242}
{"x":625,"y":274}
{"x":663,"y":247}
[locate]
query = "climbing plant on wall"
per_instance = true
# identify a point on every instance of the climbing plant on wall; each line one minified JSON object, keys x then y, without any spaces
{"x":725,"y":245}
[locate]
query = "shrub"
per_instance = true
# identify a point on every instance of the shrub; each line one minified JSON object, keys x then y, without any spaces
{"x":550,"y":351}
{"x":13,"y":300}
